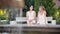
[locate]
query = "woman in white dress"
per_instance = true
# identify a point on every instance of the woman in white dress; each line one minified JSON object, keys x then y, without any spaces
{"x":41,"y":19}
{"x":31,"y":15}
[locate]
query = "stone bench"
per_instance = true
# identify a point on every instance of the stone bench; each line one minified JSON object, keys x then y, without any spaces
{"x":3,"y":21}
{"x":23,"y":19}
{"x":49,"y":20}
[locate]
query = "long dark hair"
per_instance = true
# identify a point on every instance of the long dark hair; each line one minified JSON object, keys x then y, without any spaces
{"x":30,"y":6}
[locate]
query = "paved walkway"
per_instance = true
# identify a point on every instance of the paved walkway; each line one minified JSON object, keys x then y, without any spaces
{"x":20,"y":28}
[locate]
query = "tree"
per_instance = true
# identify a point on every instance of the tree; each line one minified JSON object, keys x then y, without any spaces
{"x":57,"y":15}
{"x":36,"y":5}
{"x":48,"y":4}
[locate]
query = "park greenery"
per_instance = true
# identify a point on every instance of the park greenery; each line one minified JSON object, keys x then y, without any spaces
{"x":3,"y":14}
{"x":49,"y":7}
{"x":48,"y":4}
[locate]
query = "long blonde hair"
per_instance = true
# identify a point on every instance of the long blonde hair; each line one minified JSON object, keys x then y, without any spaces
{"x":42,"y":7}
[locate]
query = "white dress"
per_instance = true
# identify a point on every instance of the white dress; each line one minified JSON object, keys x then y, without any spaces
{"x":41,"y":19}
{"x":30,"y":16}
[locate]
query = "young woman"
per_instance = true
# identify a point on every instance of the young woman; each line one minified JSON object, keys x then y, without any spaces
{"x":30,"y":15}
{"x":41,"y":19}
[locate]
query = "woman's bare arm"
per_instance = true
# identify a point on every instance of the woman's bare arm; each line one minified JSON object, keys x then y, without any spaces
{"x":27,"y":16}
{"x":38,"y":17}
{"x":34,"y":15}
{"x":45,"y":16}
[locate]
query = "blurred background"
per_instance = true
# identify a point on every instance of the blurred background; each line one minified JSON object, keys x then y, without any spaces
{"x":8,"y":7}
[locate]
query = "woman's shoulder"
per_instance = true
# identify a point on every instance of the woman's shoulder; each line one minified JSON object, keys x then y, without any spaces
{"x":27,"y":12}
{"x":44,"y":12}
{"x":33,"y":11}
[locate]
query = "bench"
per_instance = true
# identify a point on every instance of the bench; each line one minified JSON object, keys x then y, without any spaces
{"x":23,"y":19}
{"x":49,"y":20}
